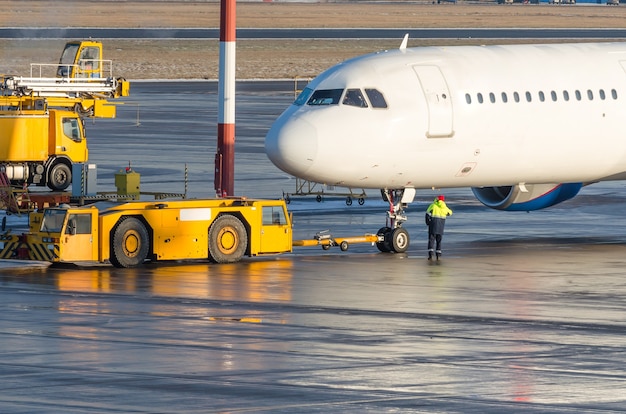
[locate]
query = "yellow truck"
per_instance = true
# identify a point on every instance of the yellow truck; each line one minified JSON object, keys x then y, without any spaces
{"x":41,"y":117}
{"x":39,"y":147}
{"x":127,"y":234}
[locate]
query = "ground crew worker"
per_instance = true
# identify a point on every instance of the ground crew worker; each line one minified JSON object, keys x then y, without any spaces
{"x":436,"y":220}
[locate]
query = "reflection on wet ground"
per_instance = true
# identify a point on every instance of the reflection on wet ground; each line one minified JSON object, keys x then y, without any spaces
{"x":340,"y":332}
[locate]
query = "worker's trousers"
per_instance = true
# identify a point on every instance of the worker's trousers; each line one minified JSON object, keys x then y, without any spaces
{"x":434,"y":241}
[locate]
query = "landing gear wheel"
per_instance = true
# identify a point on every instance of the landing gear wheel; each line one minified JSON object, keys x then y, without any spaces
{"x":343,"y":246}
{"x":361,"y":201}
{"x":318,"y":198}
{"x":325,"y":246}
{"x":60,"y":177}
{"x":399,"y":240}
{"x":130,"y":243}
{"x":228,"y":239}
{"x":384,"y":246}
{"x":348,"y":201}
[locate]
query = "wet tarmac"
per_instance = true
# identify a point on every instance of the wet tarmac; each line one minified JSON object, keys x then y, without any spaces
{"x":525,"y":313}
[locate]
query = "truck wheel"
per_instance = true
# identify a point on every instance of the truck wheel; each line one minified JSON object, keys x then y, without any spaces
{"x":228,"y":239}
{"x":130,"y":243}
{"x":400,"y":240}
{"x":60,"y":177}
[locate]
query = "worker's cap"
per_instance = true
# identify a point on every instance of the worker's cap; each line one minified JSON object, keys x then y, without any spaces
{"x":441,"y":197}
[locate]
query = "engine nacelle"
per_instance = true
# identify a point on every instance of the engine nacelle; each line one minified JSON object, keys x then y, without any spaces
{"x":525,"y":197}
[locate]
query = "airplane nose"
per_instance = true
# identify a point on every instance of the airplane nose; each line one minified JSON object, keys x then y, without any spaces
{"x":292,"y":146}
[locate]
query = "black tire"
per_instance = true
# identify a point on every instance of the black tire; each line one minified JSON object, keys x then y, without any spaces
{"x":384,"y":246}
{"x":348,"y":201}
{"x":228,"y":239}
{"x":59,"y":177}
{"x":130,"y":243}
{"x":400,"y":240}
{"x":344,"y":246}
{"x":325,"y":246}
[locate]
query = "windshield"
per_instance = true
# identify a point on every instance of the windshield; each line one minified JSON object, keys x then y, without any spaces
{"x":69,"y":54}
{"x":325,"y":97}
{"x":67,"y":60}
{"x":376,"y":98}
{"x":53,"y":221}
{"x":303,"y":97}
{"x":354,"y":97}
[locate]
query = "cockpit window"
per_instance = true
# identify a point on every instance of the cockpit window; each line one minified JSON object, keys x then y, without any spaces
{"x":354,"y":97}
{"x":376,"y":98}
{"x":325,"y":97}
{"x":303,"y":97}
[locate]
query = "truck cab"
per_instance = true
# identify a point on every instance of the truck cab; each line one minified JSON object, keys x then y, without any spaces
{"x":39,"y":146}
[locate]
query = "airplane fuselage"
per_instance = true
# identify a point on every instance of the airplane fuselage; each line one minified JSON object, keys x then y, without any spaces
{"x":463,"y":116}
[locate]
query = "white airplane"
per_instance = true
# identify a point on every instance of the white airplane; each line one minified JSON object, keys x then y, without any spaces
{"x":525,"y":126}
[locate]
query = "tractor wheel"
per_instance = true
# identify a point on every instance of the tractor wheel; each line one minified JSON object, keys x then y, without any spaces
{"x":228,"y":239}
{"x":130,"y":243}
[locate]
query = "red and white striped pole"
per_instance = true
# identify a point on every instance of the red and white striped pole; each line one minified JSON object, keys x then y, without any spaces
{"x":225,"y":157}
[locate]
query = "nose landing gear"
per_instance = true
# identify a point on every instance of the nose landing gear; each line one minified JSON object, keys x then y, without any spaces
{"x":394,"y":238}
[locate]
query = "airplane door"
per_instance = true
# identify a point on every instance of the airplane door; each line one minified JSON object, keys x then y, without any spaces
{"x":438,"y":100}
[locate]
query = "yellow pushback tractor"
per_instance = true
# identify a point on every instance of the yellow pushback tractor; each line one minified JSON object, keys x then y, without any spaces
{"x":127,"y":234}
{"x":41,"y":116}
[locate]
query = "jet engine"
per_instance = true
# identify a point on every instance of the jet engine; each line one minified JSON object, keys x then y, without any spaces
{"x":525,"y":197}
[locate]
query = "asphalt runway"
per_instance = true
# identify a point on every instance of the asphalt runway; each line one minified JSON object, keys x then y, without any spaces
{"x":526,"y":312}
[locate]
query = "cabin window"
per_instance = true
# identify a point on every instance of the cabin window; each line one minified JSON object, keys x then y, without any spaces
{"x":578,"y":95}
{"x":354,"y":97}
{"x":325,"y":97}
{"x":566,"y":95}
{"x":479,"y":96}
{"x":376,"y":98}
{"x":602,"y":94}
{"x":274,"y":216}
{"x":70,"y":129}
{"x":590,"y":94}
{"x":78,"y":224}
{"x":67,"y":60}
{"x":505,"y":98}
{"x":553,"y":96}
{"x":52,"y":221}
{"x":468,"y":98}
{"x":529,"y":97}
{"x":516,"y":96}
{"x":614,"y":93}
{"x":303,"y":97}
{"x":492,"y":97}
{"x":542,"y":97}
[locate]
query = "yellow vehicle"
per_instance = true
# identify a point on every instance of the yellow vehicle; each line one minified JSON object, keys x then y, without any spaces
{"x":39,"y":147}
{"x":81,"y":59}
{"x":128,"y":234}
{"x":41,"y":118}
